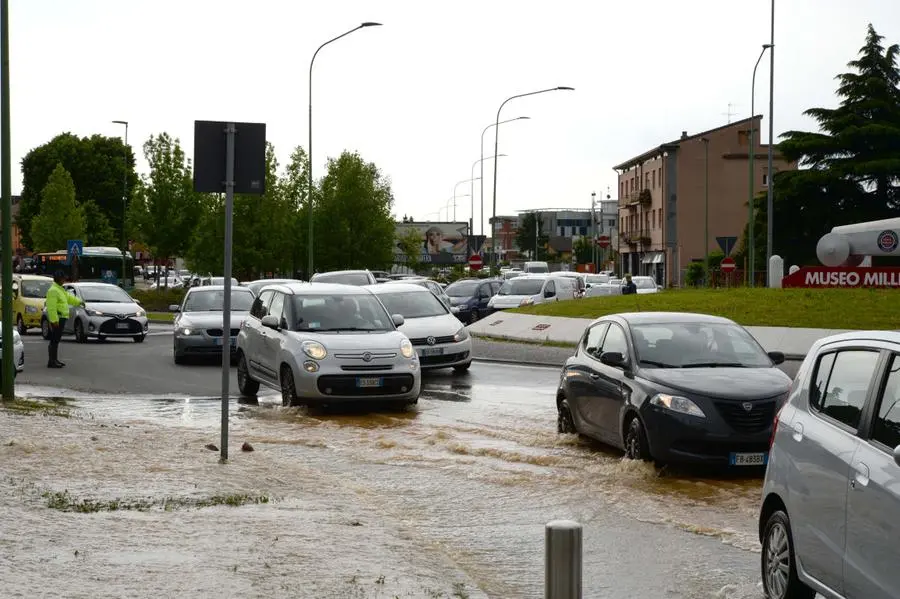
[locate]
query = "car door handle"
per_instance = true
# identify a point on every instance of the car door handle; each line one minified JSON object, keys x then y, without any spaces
{"x":595,"y":377}
{"x":798,"y":431}
{"x":860,"y":475}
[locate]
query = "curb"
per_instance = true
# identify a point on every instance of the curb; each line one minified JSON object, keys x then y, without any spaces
{"x":523,"y":363}
{"x":160,"y":321}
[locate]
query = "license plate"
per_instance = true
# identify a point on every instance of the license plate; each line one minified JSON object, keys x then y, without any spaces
{"x":748,"y":459}
{"x":122,"y":326}
{"x":368,"y":382}
{"x":221,"y":341}
{"x":432,"y":351}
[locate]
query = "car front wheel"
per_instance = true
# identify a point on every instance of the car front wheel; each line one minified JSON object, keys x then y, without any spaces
{"x":565,"y":424}
{"x":45,"y":328}
{"x":246,"y":385}
{"x":779,"y":570}
{"x":20,"y":324}
{"x":636,"y":445}
{"x":288,"y":388}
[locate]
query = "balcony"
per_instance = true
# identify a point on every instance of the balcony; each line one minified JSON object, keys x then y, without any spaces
{"x":634,"y":199}
{"x":636,"y":237}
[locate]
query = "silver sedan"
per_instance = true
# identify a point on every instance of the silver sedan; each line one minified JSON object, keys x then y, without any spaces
{"x":198,"y":324}
{"x":107,"y":311}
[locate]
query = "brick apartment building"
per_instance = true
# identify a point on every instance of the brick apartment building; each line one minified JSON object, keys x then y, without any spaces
{"x":662,"y":195}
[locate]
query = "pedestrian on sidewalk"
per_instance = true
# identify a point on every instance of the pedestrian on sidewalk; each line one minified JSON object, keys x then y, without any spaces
{"x":58,"y":302}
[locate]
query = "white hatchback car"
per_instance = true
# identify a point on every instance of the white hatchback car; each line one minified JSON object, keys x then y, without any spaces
{"x":323,"y":343}
{"x":18,"y":352}
{"x":438,"y":336}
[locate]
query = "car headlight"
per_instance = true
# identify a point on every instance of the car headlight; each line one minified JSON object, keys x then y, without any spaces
{"x":406,"y":349}
{"x":31,"y":309}
{"x":186,"y":331}
{"x":140,"y":313}
{"x":95,"y":313}
{"x":527,"y":301}
{"x":461,"y":335}
{"x":314,"y":350}
{"x":682,"y":405}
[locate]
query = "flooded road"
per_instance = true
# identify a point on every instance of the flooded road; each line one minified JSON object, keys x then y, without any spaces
{"x":448,"y":499}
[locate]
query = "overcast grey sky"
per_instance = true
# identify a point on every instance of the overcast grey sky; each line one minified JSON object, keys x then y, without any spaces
{"x":414,"y":95}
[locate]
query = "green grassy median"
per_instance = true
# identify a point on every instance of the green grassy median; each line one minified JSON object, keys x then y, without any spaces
{"x":166,"y":316}
{"x":812,"y":308}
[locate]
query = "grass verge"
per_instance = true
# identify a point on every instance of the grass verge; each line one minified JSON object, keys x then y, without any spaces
{"x":53,"y":407}
{"x":166,"y":316}
{"x":563,"y":344}
{"x":805,"y":308}
{"x":66,"y":502}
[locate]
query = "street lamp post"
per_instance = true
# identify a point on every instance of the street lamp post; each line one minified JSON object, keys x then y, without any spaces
{"x":770,"y":208}
{"x":455,"y":187}
{"x":124,"y":196}
{"x":594,"y":230}
{"x":494,"y":253}
{"x":309,"y":188}
{"x":705,"y":141}
{"x":7,"y":368}
{"x":472,"y":189}
{"x":518,"y":118}
{"x":751,"y":225}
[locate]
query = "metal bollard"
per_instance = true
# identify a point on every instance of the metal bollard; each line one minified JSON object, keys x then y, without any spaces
{"x":562,"y":578}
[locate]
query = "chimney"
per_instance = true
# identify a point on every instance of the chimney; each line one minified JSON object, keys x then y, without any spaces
{"x":684,"y":135}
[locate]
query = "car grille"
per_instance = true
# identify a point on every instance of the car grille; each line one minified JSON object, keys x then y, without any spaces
{"x":437,"y":340}
{"x":747,"y":421}
{"x":392,"y":384}
{"x":442,"y":359}
{"x":218,"y":332}
{"x":111,"y":327}
{"x":366,"y":368}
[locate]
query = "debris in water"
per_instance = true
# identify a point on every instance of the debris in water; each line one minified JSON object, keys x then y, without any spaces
{"x":246,"y":447}
{"x":95,"y":438}
{"x":355,"y":523}
{"x":211,"y":447}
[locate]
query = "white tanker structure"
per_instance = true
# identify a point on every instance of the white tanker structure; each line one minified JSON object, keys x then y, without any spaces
{"x":853,"y":245}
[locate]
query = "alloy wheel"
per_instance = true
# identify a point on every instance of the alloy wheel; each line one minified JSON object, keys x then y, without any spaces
{"x":778,"y":561}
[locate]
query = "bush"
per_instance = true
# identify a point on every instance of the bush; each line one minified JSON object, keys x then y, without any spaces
{"x":158,"y":300}
{"x":696,"y":272}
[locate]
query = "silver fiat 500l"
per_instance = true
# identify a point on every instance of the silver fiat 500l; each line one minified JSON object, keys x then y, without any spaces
{"x":326,"y":343}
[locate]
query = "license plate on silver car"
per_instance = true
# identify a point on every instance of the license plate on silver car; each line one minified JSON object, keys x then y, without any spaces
{"x":748,"y":459}
{"x":432,"y":351}
{"x":368,"y":382}
{"x":122,"y":326}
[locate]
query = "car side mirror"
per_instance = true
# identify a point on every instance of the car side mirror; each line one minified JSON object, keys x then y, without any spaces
{"x":613,"y":358}
{"x":777,"y":357}
{"x":174,"y":308}
{"x":659,"y":287}
{"x":897,"y":455}
{"x":398,"y":320}
{"x":271,"y":322}
{"x":137,"y":301}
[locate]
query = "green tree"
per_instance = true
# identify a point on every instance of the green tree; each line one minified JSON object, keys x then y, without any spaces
{"x":60,"y":218}
{"x":206,"y":251}
{"x":98,"y":229}
{"x":851,"y":166}
{"x":528,"y":238}
{"x":98,"y":166}
{"x":410,"y":243}
{"x":294,"y":184}
{"x":353,"y":220}
{"x":584,"y":252}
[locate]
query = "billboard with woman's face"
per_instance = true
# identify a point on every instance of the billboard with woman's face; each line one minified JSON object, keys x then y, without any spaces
{"x":441,"y":243}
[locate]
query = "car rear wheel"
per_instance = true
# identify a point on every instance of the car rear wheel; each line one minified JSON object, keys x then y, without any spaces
{"x":45,"y":328}
{"x":288,"y":388}
{"x":636,"y":446}
{"x":246,"y":385}
{"x":779,"y":572}
{"x":565,"y":424}
{"x":80,"y":336}
{"x":20,"y":324}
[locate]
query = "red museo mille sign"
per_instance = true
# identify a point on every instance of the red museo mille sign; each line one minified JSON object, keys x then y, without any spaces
{"x":838,"y":276}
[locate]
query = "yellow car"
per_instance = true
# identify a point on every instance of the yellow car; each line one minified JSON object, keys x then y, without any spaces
{"x":29,"y":294}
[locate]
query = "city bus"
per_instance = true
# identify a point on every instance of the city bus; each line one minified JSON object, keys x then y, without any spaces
{"x":100,"y":264}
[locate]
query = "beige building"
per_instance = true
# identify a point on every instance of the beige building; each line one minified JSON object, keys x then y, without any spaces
{"x":662,"y":195}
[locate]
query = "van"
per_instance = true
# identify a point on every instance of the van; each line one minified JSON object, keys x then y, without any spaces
{"x":29,"y":295}
{"x":528,"y":290}
{"x":536,"y":268}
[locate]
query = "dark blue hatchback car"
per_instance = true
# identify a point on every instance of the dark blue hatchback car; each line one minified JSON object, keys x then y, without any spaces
{"x":471,"y":297}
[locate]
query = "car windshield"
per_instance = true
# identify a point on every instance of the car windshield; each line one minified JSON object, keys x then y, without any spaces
{"x":462,"y":289}
{"x":596,"y":279}
{"x":105,"y":293}
{"x":697,"y":345}
{"x":200,"y":300}
{"x":335,"y":313}
{"x":522,"y":286}
{"x":35,"y":289}
{"x":344,"y":278}
{"x":644,"y":283}
{"x":413,"y":304}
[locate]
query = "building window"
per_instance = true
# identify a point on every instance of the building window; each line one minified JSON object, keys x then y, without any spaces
{"x":654,"y":179}
{"x":612,"y":222}
{"x":647,"y":181}
{"x":765,"y":181}
{"x":659,"y":210}
{"x":654,"y":219}
{"x":660,"y":177}
{"x":583,"y":230}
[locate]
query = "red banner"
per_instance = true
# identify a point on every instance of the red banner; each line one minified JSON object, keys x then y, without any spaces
{"x":844,"y":277}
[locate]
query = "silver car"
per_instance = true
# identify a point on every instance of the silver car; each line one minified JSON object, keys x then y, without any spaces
{"x":108,"y":311}
{"x":18,"y":352}
{"x":256,"y":286}
{"x":831,"y":497}
{"x":345,"y":277}
{"x":198,"y":323}
{"x":326,"y":343}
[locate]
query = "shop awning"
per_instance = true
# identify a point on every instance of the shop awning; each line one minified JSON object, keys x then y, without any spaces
{"x":653,"y":258}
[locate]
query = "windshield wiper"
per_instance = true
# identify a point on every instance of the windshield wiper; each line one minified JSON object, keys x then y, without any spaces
{"x":657,"y":364}
{"x":714,"y":365}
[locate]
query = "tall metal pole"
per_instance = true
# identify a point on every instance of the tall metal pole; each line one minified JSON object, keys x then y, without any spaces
{"x":124,"y":196}
{"x":481,"y":176}
{"x":226,"y":271}
{"x":594,"y":230}
{"x":770,"y":208}
{"x":455,"y":187}
{"x":751,"y":213}
{"x":6,"y":334}
{"x":309,"y":188}
{"x":705,"y":141}
{"x":494,"y":253}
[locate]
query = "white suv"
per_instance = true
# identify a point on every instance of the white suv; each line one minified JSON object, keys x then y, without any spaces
{"x":326,"y":343}
{"x":831,"y":498}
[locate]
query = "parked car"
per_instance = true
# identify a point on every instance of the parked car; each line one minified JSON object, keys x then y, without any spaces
{"x":646,"y":285}
{"x":345,"y":277}
{"x":18,"y":353}
{"x":528,"y":290}
{"x":595,"y":279}
{"x":576,"y":277}
{"x":171,"y":282}
{"x":437,"y":335}
{"x":217,"y":281}
{"x":108,"y":311}
{"x":471,"y":297}
{"x":673,"y":387}
{"x":831,"y":496}
{"x":198,"y":322}
{"x":432,"y":286}
{"x":325,"y":343}
{"x":257,"y":286}
{"x":536,"y":268}
{"x":603,"y":289}
{"x":28,"y":295}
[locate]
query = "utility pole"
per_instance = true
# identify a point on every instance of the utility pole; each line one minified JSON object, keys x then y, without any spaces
{"x":594,"y":231}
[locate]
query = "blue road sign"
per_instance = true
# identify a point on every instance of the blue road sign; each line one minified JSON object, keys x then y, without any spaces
{"x":74,"y":247}
{"x":727,"y":244}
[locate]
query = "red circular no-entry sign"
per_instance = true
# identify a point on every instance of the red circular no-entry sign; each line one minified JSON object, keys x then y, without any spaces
{"x":728,"y":265}
{"x":603,"y":241}
{"x":475,"y":262}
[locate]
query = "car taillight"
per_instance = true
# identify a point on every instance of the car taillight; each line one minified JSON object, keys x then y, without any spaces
{"x":774,"y":428}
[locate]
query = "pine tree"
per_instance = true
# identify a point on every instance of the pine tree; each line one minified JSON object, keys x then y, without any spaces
{"x":60,"y":218}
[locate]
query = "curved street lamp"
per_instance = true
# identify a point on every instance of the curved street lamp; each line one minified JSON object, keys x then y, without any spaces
{"x":481,"y":178}
{"x":455,"y":187}
{"x":751,"y":236}
{"x":518,"y":118}
{"x":309,"y":189}
{"x":494,"y":252}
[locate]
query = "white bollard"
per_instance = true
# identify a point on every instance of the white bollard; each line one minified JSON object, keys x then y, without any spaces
{"x":776,"y":272}
{"x":562,"y":544}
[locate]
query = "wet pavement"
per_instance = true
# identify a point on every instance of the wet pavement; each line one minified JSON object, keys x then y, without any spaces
{"x":448,"y":497}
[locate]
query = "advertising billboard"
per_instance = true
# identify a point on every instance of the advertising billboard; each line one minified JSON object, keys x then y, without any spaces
{"x":441,"y":243}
